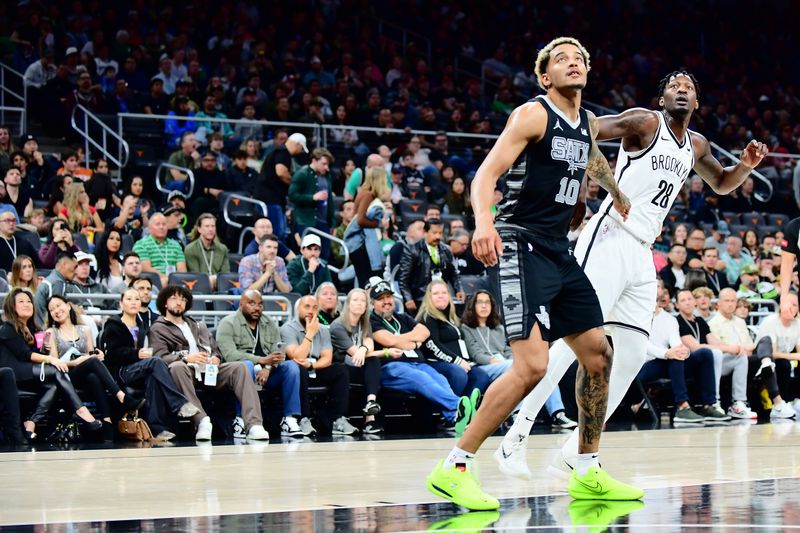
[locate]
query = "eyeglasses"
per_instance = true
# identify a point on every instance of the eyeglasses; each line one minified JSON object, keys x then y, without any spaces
{"x":9,"y":220}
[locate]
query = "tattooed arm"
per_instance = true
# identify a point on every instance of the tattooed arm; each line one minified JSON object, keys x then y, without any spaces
{"x":598,"y":169}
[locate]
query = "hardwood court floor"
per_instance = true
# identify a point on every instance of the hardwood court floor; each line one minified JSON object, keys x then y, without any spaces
{"x":213,"y":481}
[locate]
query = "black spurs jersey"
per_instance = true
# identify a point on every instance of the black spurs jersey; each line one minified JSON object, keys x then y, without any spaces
{"x":544,"y":182}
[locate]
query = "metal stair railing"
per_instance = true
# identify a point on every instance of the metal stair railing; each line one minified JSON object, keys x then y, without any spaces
{"x":19,"y":101}
{"x":90,"y":120}
{"x":226,"y":216}
{"x":162,"y":186}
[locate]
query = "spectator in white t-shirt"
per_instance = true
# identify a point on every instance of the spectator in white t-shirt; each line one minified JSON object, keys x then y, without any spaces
{"x":782,"y":329}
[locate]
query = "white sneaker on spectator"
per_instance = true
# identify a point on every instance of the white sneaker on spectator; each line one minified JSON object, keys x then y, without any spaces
{"x":796,"y":404}
{"x":342,"y":426}
{"x":740,"y":410}
{"x":782,"y":410}
{"x":511,"y":458}
{"x":165,"y":436}
{"x":306,"y":427}
{"x":257,"y":432}
{"x":290,"y":428}
{"x":188,"y":410}
{"x":204,"y":429}
{"x":238,"y":428}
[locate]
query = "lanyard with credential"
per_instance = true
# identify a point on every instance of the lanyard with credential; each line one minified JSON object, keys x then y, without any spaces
{"x":14,"y":249}
{"x":484,"y":341}
{"x":695,"y":332}
{"x":255,"y":338}
{"x":209,"y":264}
{"x":395,"y":329}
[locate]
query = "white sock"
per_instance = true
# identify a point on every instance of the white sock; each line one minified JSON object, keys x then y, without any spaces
{"x":459,"y":457}
{"x":586,"y":461}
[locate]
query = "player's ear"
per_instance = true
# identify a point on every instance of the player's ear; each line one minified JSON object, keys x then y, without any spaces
{"x":697,"y":104}
{"x":661,"y":101}
{"x":546,"y":80}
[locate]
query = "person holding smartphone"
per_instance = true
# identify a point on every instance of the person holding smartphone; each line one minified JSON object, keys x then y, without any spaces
{"x":250,"y":336}
{"x":128,"y":359}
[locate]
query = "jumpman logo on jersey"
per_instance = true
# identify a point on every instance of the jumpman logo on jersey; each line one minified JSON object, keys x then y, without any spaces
{"x":558,"y":126}
{"x":583,"y":132}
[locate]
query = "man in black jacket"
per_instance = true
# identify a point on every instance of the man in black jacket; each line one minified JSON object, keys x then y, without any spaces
{"x":424,"y":261}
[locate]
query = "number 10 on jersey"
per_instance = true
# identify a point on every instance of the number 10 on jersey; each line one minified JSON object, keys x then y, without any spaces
{"x":568,"y":191}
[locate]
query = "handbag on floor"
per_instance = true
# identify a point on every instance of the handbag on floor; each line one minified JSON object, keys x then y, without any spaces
{"x":134,"y":428}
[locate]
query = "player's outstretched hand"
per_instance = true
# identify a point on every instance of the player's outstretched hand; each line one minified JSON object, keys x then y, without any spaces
{"x":754,"y":153}
{"x":486,"y":244}
{"x":623,"y":205}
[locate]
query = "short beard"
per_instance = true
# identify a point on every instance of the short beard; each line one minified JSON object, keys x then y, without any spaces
{"x":386,"y":314}
{"x":177,"y":313}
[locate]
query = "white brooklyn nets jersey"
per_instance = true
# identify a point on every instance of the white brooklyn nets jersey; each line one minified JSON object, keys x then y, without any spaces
{"x":651,"y":179}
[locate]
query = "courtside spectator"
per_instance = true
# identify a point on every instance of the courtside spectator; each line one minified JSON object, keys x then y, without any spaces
{"x":669,"y":357}
{"x":400,"y":336}
{"x":308,"y":344}
{"x":34,"y":368}
{"x":123,"y":342}
{"x":732,"y":331}
{"x":181,"y":341}
{"x":249,"y":335}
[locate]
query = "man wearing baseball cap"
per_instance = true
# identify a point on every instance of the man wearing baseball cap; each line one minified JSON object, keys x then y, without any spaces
{"x":404,"y":369}
{"x":306,"y":271}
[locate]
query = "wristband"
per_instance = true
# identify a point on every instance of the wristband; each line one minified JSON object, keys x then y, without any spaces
{"x":386,"y":352}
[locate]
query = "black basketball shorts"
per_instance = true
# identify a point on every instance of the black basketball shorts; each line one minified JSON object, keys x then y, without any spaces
{"x":538,"y":283}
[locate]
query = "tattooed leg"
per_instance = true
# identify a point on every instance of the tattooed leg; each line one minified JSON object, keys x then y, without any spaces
{"x":591,"y":386}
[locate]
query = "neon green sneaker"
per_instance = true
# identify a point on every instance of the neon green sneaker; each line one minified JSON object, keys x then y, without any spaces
{"x":475,"y":400}
{"x":598,"y":515}
{"x":467,"y":522}
{"x":463,"y":415}
{"x":460,"y":487}
{"x":598,"y":485}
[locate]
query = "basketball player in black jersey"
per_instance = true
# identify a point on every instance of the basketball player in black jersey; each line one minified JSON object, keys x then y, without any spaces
{"x":548,"y":143}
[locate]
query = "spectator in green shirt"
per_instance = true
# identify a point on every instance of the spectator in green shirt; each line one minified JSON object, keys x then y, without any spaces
{"x":158,"y":253}
{"x":307,"y":272}
{"x":205,"y":253}
{"x":310,"y":193}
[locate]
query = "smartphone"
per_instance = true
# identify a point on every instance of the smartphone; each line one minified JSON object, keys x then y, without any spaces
{"x":280,"y":347}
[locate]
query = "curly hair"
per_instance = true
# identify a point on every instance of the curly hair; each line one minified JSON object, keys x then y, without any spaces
{"x":543,"y":58}
{"x":168,"y":291}
{"x":662,"y":85}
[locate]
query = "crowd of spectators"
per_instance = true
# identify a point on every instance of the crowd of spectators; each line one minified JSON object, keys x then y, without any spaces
{"x":398,"y":203}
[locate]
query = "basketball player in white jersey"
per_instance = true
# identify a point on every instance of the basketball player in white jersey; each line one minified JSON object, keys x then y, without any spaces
{"x":657,"y":153}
